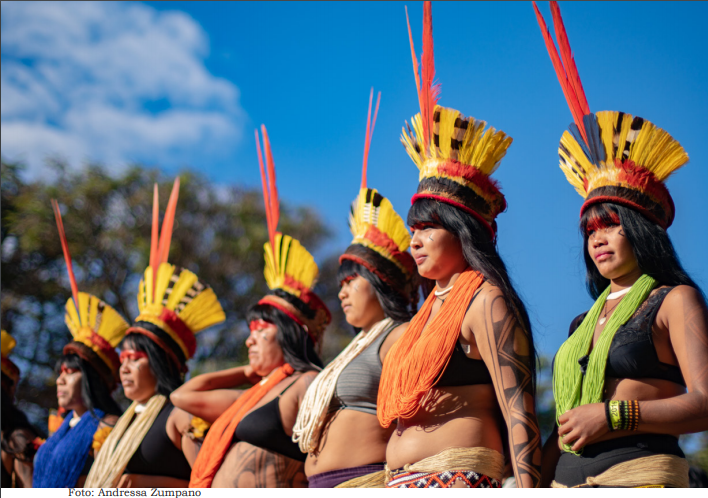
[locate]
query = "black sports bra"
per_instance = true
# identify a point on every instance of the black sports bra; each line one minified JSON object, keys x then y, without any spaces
{"x":462,"y":370}
{"x":264,"y":428}
{"x":632,"y":353}
{"x":157,"y":455}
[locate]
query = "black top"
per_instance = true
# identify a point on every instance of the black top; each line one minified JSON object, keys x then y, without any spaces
{"x":632,"y":353}
{"x":157,"y":454}
{"x":264,"y":428}
{"x":462,"y":370}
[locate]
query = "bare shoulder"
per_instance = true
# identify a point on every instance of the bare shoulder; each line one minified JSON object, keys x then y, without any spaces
{"x":109,"y":421}
{"x":488,"y":298}
{"x":682,"y":295}
{"x":302,"y":383}
{"x":391,"y":339}
{"x":683,"y":304}
{"x":180,"y":420}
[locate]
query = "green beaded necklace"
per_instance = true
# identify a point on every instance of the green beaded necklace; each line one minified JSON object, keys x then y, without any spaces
{"x":570,"y":387}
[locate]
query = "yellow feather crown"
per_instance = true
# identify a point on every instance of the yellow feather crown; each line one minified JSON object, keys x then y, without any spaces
{"x":455,"y":168}
{"x":290,"y":267}
{"x":179,"y":304}
{"x":628,"y":162}
{"x":8,"y":343}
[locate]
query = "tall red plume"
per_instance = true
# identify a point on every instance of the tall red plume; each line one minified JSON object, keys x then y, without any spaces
{"x":568,"y":59}
{"x":168,"y":224}
{"x":427,"y":71}
{"x":416,"y":73}
{"x":155,"y":227}
{"x":67,"y":256}
{"x":572,"y":88}
{"x":369,"y":133}
{"x":270,"y":192}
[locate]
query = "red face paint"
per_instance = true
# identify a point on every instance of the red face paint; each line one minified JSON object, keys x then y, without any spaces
{"x":68,"y":371}
{"x":258,"y":325}
{"x":600,"y":223}
{"x":347,"y":280}
{"x":131,"y":355}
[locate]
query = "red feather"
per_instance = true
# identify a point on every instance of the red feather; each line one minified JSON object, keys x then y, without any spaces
{"x":570,"y":96}
{"x":415,"y":63}
{"x":67,"y":256}
{"x":273,"y":196}
{"x":369,"y":133}
{"x":429,"y":91}
{"x":168,"y":224}
{"x":266,"y":202}
{"x":568,"y":59}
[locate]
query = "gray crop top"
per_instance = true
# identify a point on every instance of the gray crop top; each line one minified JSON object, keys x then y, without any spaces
{"x":358,"y":384}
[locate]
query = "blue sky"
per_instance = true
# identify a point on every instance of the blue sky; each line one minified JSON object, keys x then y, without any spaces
{"x":183,"y":85}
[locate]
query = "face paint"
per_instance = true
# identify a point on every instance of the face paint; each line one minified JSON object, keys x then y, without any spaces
{"x":131,"y":355}
{"x":66,"y":370}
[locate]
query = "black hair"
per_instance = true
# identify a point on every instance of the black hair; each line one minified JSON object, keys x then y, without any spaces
{"x":12,"y":417}
{"x":394,"y":304}
{"x":480,"y":252}
{"x":296,"y":343}
{"x":94,"y":391}
{"x":651,"y":244}
{"x":166,"y":371}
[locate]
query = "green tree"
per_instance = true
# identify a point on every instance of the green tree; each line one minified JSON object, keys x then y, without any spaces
{"x":219,"y":234}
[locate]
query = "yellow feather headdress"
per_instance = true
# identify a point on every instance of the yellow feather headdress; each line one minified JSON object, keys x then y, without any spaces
{"x":381,"y":238}
{"x":289,"y":267}
{"x":611,"y":156}
{"x":455,"y":154}
{"x":174,"y":304}
{"x":9,"y":368}
{"x":96,"y":328}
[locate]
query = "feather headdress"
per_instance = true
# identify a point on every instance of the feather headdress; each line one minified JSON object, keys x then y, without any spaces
{"x":8,"y":366}
{"x":174,"y":304}
{"x":288,"y":265}
{"x":454,"y":153}
{"x":611,"y":156}
{"x":95,"y":327}
{"x":381,"y":238}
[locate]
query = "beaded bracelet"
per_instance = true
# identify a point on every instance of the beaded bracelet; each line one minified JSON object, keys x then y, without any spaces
{"x":622,"y":415}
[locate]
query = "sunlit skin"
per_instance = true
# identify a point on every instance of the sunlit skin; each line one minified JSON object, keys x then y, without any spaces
{"x":139,"y":383}
{"x":264,"y":352}
{"x":472,"y":416}
{"x":69,"y":390}
{"x":680,"y":337}
{"x":352,"y":438}
{"x":359,"y":302}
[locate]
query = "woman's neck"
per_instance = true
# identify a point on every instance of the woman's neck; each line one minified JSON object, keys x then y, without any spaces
{"x":79,"y":410}
{"x":446,"y":282}
{"x":625,"y":281}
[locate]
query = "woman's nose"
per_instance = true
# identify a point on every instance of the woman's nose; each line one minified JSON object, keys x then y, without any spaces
{"x":342,"y":292}
{"x":250,"y":341}
{"x":415,"y":240}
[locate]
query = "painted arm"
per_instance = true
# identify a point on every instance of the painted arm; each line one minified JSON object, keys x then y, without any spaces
{"x":208,"y":395}
{"x":504,"y":347}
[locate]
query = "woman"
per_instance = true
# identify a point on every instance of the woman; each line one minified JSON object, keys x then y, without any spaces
{"x":337,"y":424}
{"x":88,"y":373}
{"x":249,"y":444}
{"x":631,"y":377}
{"x":19,"y":438}
{"x":460,"y":381}
{"x":145,"y":447}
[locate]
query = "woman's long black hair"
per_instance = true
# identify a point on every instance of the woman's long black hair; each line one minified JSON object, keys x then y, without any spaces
{"x":652,"y":247}
{"x":168,"y":374}
{"x":94,"y":391}
{"x":394,"y":304}
{"x":479,"y":251}
{"x":298,"y":348}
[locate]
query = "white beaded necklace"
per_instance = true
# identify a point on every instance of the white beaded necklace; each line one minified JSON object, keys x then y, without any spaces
{"x":618,"y":294}
{"x":444,"y":291}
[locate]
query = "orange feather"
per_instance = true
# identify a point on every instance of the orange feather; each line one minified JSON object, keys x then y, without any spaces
{"x":67,"y":256}
{"x":369,"y":133}
{"x":168,"y":224}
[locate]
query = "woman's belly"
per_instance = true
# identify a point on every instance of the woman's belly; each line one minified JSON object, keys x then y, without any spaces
{"x":350,"y":439}
{"x":465,"y":416}
{"x":248,"y":466}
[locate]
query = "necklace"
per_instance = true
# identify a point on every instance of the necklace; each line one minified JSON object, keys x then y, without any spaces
{"x":618,"y":294}
{"x":604,"y":315}
{"x":444,"y":291}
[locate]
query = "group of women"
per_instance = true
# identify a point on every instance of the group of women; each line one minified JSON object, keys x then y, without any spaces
{"x":441,"y":396}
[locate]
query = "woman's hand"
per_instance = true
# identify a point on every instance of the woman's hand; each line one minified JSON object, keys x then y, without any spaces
{"x":583,"y":425}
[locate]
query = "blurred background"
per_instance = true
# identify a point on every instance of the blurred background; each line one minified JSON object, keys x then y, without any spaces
{"x":100,"y":100}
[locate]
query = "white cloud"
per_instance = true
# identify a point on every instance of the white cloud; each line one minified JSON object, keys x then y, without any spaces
{"x":110,"y":82}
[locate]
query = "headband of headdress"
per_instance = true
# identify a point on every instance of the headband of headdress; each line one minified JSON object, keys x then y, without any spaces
{"x":454,"y":153}
{"x":95,"y":327}
{"x":8,"y":366}
{"x":174,"y":304}
{"x":288,"y":265}
{"x":611,"y":156}
{"x":380,"y":235}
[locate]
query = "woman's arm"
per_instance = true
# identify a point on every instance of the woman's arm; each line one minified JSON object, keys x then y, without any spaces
{"x":504,"y":347}
{"x":391,"y":340}
{"x":208,"y":395}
